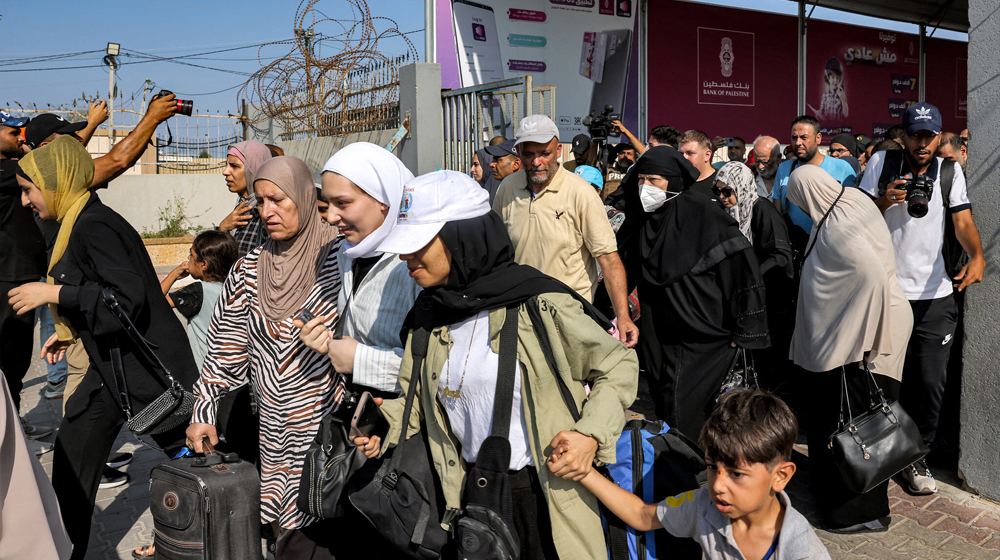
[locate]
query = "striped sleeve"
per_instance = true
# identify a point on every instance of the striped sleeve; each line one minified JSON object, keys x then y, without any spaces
{"x":227,"y":362}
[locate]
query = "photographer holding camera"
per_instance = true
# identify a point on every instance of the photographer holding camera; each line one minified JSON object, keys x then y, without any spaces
{"x":913,"y":192}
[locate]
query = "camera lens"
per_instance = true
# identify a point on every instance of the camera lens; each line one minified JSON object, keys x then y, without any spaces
{"x":916,"y":204}
{"x":185,"y":106}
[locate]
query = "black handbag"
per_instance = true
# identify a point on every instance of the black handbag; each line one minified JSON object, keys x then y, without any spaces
{"x":740,"y":375}
{"x":404,"y":502}
{"x":485,"y":529}
{"x":170,"y":409}
{"x":871,"y":448}
{"x":332,"y":459}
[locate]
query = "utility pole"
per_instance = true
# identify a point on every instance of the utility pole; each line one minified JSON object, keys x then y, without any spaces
{"x":112,"y":62}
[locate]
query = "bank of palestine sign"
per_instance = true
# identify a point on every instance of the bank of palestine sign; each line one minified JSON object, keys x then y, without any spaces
{"x":725,"y":67}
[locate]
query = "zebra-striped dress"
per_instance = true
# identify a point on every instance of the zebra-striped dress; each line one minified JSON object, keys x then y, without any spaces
{"x":293,"y":385}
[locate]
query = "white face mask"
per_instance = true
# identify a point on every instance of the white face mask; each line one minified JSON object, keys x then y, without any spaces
{"x":653,"y":198}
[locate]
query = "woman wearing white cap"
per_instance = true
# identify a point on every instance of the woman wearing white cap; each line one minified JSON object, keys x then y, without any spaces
{"x":460,"y":253}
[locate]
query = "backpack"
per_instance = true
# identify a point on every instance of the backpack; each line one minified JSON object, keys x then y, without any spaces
{"x":954,"y":254}
{"x":654,"y":462}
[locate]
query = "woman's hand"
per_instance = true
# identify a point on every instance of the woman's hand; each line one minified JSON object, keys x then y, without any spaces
{"x":28,"y":296}
{"x":573,"y":455}
{"x":239,"y":217}
{"x":369,"y":447}
{"x":54,"y":350}
{"x":341,"y":354}
{"x":314,"y":334}
{"x":197,"y":432}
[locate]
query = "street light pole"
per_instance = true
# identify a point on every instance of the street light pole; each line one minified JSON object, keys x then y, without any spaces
{"x":112,"y":50}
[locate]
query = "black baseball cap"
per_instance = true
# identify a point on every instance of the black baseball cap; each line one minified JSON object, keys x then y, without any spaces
{"x":863,"y":141}
{"x":47,"y":124}
{"x":505,"y":148}
{"x":581,"y":144}
{"x":922,"y":116}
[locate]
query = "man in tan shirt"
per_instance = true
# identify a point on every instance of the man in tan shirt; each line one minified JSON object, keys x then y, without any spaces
{"x":558,"y":223}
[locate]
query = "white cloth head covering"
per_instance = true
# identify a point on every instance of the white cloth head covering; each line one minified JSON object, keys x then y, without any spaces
{"x":850,"y":302}
{"x":379,"y":174}
{"x":739,"y":178}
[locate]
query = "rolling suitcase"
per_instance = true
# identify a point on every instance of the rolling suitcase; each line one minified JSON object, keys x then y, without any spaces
{"x":206,"y":508}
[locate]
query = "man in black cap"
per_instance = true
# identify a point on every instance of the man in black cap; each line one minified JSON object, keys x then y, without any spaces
{"x":505,"y":159}
{"x":581,"y":152}
{"x":22,"y":259}
{"x":926,"y":264}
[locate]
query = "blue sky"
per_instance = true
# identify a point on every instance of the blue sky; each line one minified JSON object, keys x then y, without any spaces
{"x":181,"y":28}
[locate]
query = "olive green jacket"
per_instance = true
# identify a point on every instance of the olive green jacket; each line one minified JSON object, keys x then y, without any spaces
{"x":583,"y":352}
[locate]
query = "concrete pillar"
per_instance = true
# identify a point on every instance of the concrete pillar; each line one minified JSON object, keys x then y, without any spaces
{"x":980,"y":412}
{"x":420,"y":98}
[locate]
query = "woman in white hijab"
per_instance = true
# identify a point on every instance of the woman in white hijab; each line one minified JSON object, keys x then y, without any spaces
{"x":363,"y":184}
{"x":850,"y":309}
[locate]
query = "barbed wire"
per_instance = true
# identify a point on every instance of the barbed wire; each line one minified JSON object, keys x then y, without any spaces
{"x":304,"y":89}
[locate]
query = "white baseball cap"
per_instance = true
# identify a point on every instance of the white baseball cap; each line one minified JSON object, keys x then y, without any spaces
{"x":430,"y":201}
{"x":536,"y":128}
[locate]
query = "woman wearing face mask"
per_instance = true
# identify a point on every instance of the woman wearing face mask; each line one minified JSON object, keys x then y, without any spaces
{"x":699,"y":284}
{"x":242,"y":162}
{"x":761,"y":223}
{"x":252,"y":338}
{"x":458,"y":250}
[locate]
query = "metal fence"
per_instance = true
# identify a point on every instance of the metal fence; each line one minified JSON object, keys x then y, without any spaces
{"x":474,"y":115}
{"x":184,"y":144}
{"x":364,"y":99}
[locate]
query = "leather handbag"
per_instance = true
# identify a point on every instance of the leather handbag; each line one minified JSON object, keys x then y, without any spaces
{"x":485,"y":529}
{"x":871,"y":448}
{"x":332,"y":459}
{"x":170,"y":409}
{"x":404,"y":502}
{"x":740,"y":375}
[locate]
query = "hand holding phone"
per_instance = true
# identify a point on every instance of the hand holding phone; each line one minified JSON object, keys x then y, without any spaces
{"x":368,"y":420}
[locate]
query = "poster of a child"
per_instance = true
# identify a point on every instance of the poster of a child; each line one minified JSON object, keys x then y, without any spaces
{"x":833,"y":105}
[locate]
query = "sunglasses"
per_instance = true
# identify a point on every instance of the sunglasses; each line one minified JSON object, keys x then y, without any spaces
{"x":724,"y":192}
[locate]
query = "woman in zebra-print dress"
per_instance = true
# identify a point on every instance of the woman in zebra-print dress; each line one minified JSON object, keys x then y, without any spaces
{"x":251,"y":336}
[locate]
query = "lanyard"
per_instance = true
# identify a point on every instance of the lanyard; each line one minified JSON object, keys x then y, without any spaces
{"x":774,"y":546}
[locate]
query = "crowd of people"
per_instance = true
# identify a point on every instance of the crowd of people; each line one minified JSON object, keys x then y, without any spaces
{"x":632,"y":283}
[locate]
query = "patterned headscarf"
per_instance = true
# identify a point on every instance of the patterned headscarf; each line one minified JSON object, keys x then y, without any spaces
{"x":738,"y":177}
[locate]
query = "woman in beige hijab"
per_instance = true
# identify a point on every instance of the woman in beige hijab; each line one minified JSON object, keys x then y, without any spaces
{"x":252,"y":338}
{"x":850,"y":309}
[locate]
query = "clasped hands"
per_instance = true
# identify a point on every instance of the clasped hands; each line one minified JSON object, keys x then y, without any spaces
{"x":316,"y":336}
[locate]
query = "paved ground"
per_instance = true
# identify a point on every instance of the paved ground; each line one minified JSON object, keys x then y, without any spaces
{"x":951,"y":525}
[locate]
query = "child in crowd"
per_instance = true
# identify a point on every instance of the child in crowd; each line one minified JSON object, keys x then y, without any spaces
{"x":211,"y":256}
{"x":744,"y":511}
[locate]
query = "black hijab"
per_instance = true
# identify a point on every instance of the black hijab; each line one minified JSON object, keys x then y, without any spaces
{"x":484,"y":276}
{"x":665,"y":244}
{"x":489,"y":182}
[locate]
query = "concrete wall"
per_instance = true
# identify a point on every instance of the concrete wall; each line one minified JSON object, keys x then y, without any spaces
{"x":315,"y":151}
{"x":139,"y":198}
{"x":980,"y":438}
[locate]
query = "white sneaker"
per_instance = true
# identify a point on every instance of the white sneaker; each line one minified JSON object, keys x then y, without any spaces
{"x":921,"y":481}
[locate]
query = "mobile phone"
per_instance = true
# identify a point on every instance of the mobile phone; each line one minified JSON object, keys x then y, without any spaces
{"x":368,"y":419}
{"x":305,"y":316}
{"x":730,"y":142}
{"x":610,"y":90}
{"x":478,"y":45}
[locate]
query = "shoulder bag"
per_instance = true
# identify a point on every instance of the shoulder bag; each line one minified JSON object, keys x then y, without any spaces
{"x":744,"y":375}
{"x":169,"y":410}
{"x":404,"y":502}
{"x":874,"y":446}
{"x":485,"y":529}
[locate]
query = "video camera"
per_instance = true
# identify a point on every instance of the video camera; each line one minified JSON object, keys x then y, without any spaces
{"x":184,"y":106}
{"x":600,"y":126}
{"x":918,"y":194}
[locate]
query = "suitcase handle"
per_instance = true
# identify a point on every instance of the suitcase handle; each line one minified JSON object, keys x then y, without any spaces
{"x":213,"y":457}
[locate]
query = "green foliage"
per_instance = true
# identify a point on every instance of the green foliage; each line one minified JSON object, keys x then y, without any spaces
{"x":173,"y":221}
{"x":204,"y":154}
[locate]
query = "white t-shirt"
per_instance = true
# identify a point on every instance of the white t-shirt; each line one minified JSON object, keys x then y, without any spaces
{"x":471,"y":414}
{"x":918,"y":241}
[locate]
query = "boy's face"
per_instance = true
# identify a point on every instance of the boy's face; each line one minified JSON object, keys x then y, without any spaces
{"x":738,"y":492}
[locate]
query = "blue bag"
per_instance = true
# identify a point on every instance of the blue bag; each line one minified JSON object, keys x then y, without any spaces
{"x":653,"y":462}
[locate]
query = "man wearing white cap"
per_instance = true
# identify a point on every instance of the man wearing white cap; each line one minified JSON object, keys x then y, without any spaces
{"x":558,"y":224}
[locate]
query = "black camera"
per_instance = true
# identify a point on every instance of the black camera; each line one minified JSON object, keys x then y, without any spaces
{"x":600,"y":126}
{"x":918,"y":194}
{"x":184,"y":106}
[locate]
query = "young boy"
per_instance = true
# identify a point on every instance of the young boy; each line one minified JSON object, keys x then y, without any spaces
{"x":744,"y":512}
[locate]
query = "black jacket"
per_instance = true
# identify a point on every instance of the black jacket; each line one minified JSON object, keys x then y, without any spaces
{"x":105,"y":251}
